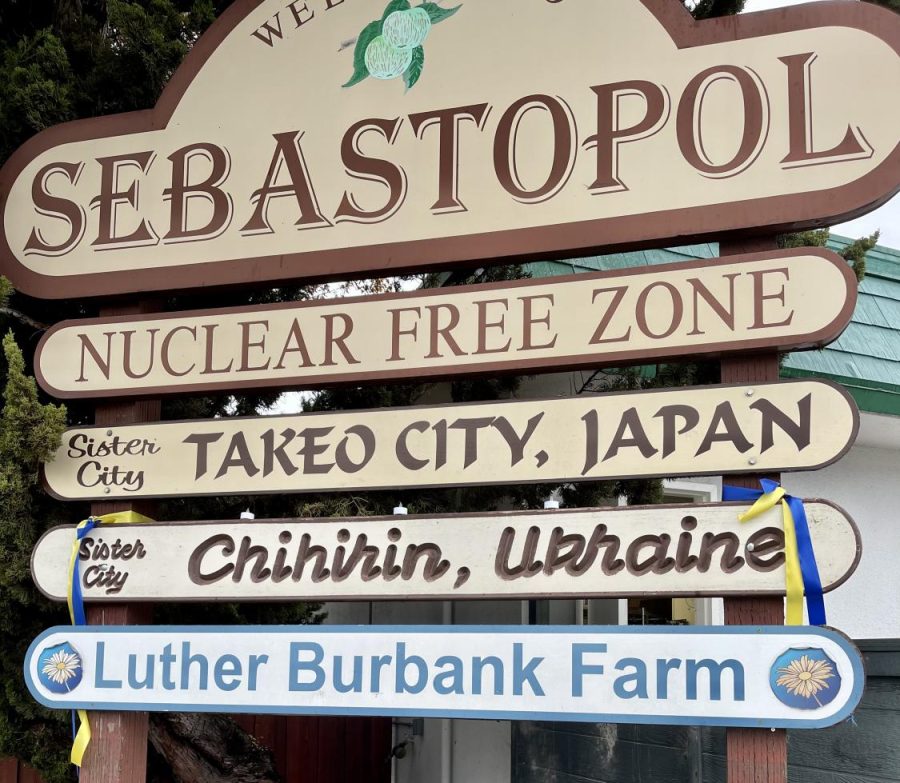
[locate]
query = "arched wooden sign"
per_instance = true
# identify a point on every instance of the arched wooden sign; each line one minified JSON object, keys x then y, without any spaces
{"x":326,"y":138}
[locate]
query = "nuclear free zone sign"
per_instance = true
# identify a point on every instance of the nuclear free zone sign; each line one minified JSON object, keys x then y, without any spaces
{"x":757,"y":677}
{"x":784,"y":300}
{"x":792,"y":425}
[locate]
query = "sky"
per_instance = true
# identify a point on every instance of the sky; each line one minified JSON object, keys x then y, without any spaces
{"x":887,"y":218}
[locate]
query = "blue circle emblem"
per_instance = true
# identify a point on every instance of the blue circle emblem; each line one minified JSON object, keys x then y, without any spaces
{"x":805,"y":679}
{"x":60,"y":668}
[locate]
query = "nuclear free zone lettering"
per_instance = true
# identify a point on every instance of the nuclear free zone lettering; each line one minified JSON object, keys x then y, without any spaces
{"x":423,"y":333}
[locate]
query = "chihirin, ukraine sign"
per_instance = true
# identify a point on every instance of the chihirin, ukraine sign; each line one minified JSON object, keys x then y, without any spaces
{"x":610,"y":123}
{"x":760,"y":677}
{"x":790,"y":425}
{"x":652,"y":550}
{"x":784,"y":300}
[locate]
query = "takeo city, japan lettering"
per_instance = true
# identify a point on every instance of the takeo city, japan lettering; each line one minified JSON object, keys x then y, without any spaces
{"x":320,"y":453}
{"x":432,"y":443}
{"x":120,"y":224}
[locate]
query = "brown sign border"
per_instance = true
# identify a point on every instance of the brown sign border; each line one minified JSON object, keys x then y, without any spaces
{"x":399,"y":520}
{"x":765,"y":216}
{"x":851,"y":403}
{"x":459,"y":368}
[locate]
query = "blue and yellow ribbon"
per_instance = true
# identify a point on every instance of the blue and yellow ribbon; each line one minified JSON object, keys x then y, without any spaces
{"x":801,"y":569}
{"x":75,"y":600}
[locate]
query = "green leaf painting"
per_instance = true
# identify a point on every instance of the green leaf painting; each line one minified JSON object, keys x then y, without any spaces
{"x":395,"y":5}
{"x":437,"y":13}
{"x":370,"y":33}
{"x":393,"y":46}
{"x":412,"y":74}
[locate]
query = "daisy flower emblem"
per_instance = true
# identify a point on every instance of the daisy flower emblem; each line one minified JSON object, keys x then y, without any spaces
{"x":60,"y":668}
{"x":805,"y":679}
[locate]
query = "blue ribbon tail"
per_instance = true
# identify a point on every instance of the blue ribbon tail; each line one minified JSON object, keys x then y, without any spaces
{"x":730,"y":493}
{"x":812,"y":582}
{"x":77,"y":595}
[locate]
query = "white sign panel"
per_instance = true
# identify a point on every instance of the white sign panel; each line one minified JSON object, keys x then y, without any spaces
{"x":748,"y":676}
{"x":666,"y":550}
{"x":790,"y":425}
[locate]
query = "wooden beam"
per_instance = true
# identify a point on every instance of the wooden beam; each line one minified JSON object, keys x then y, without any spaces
{"x":118,"y":749}
{"x":753,"y":755}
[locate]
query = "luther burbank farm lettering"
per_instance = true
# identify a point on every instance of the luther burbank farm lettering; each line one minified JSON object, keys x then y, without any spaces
{"x":792,"y":425}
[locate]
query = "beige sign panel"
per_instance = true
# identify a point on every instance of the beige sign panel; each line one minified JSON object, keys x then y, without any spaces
{"x":666,"y":550}
{"x":792,"y":425}
{"x":784,"y":300}
{"x":323,"y":139}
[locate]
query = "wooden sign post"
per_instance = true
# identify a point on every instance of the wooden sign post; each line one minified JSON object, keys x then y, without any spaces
{"x":118,"y":749}
{"x":753,"y":755}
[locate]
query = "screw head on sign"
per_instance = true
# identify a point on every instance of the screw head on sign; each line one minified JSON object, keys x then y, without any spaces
{"x":751,"y":461}
{"x":107,"y":490}
{"x":109,"y":433}
{"x":749,"y":392}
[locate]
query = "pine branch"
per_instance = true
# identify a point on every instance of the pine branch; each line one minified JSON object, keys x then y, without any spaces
{"x":22,"y":318}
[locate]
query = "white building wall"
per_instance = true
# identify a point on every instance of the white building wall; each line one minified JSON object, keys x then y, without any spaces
{"x":866,"y":483}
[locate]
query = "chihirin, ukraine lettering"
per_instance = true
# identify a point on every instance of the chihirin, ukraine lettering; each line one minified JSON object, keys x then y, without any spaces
{"x":518,"y":557}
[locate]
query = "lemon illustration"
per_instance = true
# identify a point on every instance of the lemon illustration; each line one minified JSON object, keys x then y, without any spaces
{"x":385,"y":61}
{"x":407,"y":29}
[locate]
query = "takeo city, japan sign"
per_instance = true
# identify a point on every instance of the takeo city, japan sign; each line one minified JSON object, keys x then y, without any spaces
{"x":790,"y":425}
{"x":307,"y":140}
{"x":663,"y":550}
{"x":746,"y":676}
{"x":783,"y":300}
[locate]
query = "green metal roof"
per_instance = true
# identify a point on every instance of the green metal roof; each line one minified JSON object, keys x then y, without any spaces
{"x":865,"y":359}
{"x":622,"y":260}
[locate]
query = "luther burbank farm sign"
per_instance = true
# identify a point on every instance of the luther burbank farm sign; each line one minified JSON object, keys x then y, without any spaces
{"x":787,"y":300}
{"x":792,"y":425}
{"x":748,"y":676}
{"x":662,"y":550}
{"x":329,"y":138}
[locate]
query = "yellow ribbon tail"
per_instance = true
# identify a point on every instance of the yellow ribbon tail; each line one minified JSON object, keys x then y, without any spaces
{"x":762,"y":505}
{"x":82,"y":739}
{"x":122,"y":518}
{"x":83,"y":736}
{"x":793,"y":576}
